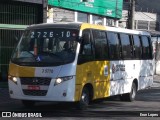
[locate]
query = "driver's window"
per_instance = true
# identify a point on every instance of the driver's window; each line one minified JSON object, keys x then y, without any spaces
{"x":86,"y":53}
{"x":86,"y":47}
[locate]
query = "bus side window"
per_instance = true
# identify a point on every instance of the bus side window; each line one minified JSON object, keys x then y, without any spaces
{"x":146,"y":49}
{"x":86,"y":44}
{"x":137,"y":47}
{"x":86,"y":53}
{"x":113,"y":43}
{"x":126,"y":46}
{"x":101,"y":48}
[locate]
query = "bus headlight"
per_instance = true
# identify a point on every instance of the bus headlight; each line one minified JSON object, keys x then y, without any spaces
{"x":12,"y":78}
{"x":62,"y":79}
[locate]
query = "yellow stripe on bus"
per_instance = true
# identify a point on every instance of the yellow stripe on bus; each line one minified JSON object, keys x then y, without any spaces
{"x":18,"y":71}
{"x":87,"y":26}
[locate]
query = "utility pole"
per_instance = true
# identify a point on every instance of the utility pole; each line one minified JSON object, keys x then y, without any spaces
{"x":132,"y":22}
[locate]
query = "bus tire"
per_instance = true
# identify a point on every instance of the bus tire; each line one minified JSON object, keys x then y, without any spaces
{"x":28,"y":103}
{"x":84,"y":100}
{"x":129,"y":96}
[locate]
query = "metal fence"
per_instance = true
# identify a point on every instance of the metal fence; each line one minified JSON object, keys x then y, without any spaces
{"x":146,"y":25}
{"x":7,"y":42}
{"x":14,"y":16}
{"x":18,"y":14}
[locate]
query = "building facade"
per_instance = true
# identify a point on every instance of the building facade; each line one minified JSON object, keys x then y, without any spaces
{"x":90,"y":11}
{"x":146,"y":15}
{"x":16,"y":15}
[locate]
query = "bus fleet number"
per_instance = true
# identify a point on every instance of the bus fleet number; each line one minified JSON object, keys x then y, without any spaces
{"x":47,"y":71}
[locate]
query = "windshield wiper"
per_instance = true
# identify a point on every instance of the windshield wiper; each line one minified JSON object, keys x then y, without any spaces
{"x":30,"y":53}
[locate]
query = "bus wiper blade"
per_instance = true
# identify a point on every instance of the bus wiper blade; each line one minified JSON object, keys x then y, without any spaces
{"x":30,"y":53}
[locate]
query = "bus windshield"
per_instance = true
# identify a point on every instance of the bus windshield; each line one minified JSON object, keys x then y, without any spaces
{"x":45,"y":47}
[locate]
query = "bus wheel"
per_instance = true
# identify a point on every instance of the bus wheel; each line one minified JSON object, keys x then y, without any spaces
{"x":28,"y":103}
{"x":129,"y":96}
{"x":132,"y":94}
{"x":84,"y":101}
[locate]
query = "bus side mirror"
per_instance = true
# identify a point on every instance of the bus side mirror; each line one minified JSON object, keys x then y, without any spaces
{"x":86,"y":39}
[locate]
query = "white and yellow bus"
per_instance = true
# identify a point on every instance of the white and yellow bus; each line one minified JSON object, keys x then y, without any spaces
{"x":79,"y":62}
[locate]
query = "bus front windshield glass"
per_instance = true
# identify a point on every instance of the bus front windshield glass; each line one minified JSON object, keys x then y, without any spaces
{"x":46,"y":47}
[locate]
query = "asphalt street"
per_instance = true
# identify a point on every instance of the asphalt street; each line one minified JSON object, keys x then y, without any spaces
{"x":146,"y":100}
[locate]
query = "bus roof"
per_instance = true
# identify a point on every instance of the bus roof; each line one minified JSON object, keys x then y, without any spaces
{"x":80,"y":25}
{"x":115,"y":29}
{"x":55,"y":25}
{"x":129,"y":31}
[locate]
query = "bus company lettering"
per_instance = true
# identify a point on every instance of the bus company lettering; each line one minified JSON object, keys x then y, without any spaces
{"x":119,"y":67}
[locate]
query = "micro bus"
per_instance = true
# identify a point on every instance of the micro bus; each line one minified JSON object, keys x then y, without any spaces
{"x":79,"y":62}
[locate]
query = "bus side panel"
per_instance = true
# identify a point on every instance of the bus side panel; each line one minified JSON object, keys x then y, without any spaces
{"x":123,"y":72}
{"x":146,"y":74}
{"x":119,"y":78}
{"x":95,"y":73}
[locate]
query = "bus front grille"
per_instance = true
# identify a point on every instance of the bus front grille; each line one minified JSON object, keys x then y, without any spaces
{"x":35,"y":81}
{"x":35,"y":92}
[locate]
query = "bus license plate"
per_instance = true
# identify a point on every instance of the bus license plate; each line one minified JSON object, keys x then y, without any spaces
{"x":33,"y":87}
